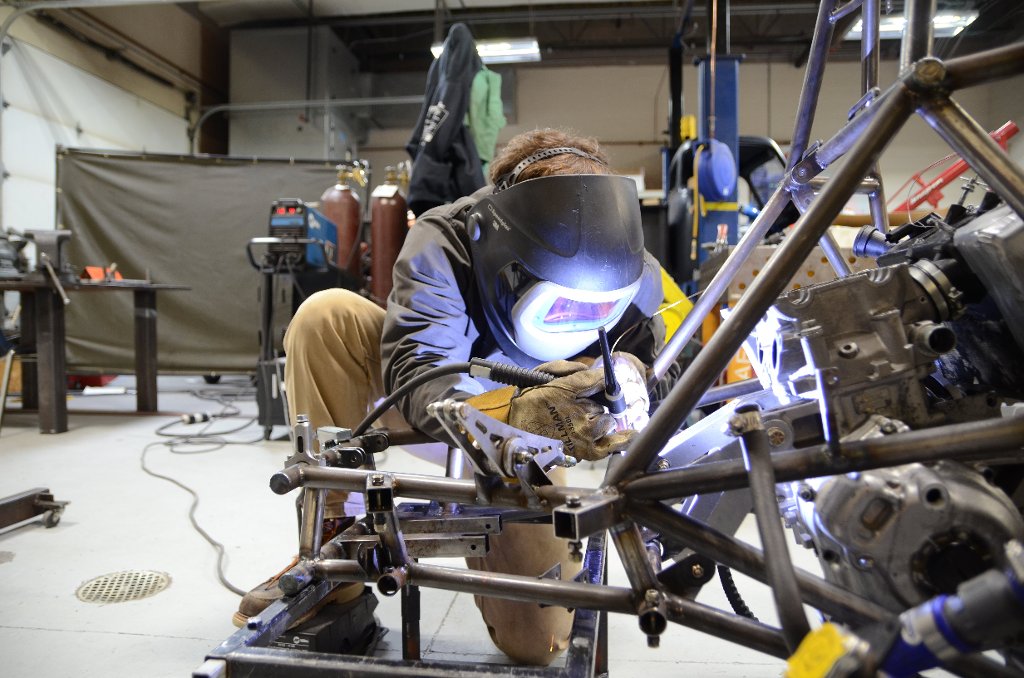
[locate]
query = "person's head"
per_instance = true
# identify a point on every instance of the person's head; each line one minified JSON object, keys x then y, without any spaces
{"x":558,"y":248}
{"x":527,"y":144}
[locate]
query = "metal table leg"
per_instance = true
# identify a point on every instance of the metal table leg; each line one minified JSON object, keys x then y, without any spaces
{"x":27,"y":349}
{"x":411,"y":623}
{"x":145,"y":350}
{"x":50,"y":366}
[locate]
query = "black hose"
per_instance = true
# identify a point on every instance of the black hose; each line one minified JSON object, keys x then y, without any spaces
{"x":418,"y":380}
{"x":739,"y":606}
{"x":505,"y":374}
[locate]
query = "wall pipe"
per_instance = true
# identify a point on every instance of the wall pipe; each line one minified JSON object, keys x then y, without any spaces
{"x":297,"y":104}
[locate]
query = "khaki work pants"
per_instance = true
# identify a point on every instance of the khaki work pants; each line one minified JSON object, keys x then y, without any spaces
{"x":333,"y":375}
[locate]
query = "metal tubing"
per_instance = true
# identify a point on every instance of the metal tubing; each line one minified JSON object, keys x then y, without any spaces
{"x":977,"y":69}
{"x":891,"y":113}
{"x":719,"y":394}
{"x":636,"y":560}
{"x":983,"y":154}
{"x":392,"y":581}
{"x":590,"y":597}
{"x":917,"y":33}
{"x":876,"y":204}
{"x":757,"y":457}
{"x":524,"y":589}
{"x":813,"y":76}
{"x":956,"y":441}
{"x":846,"y":137}
{"x":731,"y":627}
{"x":739,"y":556}
{"x":835,"y":257}
{"x":842,"y":10}
{"x":414,"y":486}
{"x":718,"y":286}
{"x":339,"y":570}
{"x":869,"y":44}
{"x":311,"y":532}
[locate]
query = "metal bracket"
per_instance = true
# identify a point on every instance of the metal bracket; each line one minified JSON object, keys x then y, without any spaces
{"x":494,"y":447}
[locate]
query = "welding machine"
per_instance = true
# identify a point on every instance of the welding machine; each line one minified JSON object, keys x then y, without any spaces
{"x":313,"y":237}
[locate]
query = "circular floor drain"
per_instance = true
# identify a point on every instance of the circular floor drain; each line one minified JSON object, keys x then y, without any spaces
{"x":120,"y":587}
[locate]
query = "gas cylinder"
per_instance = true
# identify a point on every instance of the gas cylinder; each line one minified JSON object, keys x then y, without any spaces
{"x":341,"y":204}
{"x":388,"y":228}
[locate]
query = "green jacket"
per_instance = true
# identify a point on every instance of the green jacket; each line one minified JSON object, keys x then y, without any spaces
{"x":485,"y":117}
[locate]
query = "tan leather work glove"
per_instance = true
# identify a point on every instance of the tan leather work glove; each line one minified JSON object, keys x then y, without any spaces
{"x":495,"y":404}
{"x":562,"y":409}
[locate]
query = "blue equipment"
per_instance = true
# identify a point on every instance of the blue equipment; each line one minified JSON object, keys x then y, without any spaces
{"x":312,"y":238}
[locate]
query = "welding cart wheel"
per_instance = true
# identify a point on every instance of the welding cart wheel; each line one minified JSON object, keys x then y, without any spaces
{"x":51,"y":518}
{"x":211,"y":378}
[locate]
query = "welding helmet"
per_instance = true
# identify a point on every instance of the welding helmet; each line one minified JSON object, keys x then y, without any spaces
{"x":556,"y":258}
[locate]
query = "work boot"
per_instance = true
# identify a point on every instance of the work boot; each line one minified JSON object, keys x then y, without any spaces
{"x":265,"y":594}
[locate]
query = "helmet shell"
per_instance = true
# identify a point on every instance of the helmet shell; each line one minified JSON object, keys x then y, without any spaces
{"x":581,"y":231}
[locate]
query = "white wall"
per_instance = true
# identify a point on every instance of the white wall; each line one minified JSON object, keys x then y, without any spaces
{"x":52,"y":103}
{"x":270,"y":65}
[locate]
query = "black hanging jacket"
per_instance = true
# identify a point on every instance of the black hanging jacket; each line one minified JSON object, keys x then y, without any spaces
{"x":445,"y":162}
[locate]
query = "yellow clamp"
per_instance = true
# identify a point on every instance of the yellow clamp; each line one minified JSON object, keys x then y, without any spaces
{"x":818,"y":652}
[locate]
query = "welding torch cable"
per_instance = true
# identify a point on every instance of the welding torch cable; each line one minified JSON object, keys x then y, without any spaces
{"x":477,"y":367}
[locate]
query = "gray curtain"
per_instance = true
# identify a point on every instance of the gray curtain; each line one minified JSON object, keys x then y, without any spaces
{"x":177,"y":219}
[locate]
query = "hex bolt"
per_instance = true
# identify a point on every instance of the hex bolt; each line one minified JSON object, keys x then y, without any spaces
{"x":697,"y":571}
{"x":806,"y":493}
{"x":776,"y":436}
{"x":572,"y":501}
{"x":887,"y":427}
{"x":663,"y":464}
{"x":521,"y":457}
{"x":377,"y":479}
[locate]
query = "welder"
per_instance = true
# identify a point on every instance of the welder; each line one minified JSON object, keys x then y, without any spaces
{"x":525,"y":271}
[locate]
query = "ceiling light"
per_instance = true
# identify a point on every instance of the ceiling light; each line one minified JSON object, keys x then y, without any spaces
{"x":945,"y":25}
{"x":505,"y":51}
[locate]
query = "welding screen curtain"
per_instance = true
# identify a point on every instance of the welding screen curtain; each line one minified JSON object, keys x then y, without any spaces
{"x":183,"y":220}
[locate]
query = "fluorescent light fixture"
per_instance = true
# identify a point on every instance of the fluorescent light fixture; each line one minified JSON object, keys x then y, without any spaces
{"x":945,"y":25}
{"x":512,"y":50}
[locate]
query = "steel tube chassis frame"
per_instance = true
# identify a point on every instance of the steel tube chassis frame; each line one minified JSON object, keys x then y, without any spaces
{"x":631,"y":496}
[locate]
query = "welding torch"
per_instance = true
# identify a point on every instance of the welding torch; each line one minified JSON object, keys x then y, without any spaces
{"x":614,"y":400}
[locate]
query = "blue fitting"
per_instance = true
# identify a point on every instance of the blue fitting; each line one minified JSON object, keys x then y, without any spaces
{"x":938,"y":610}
